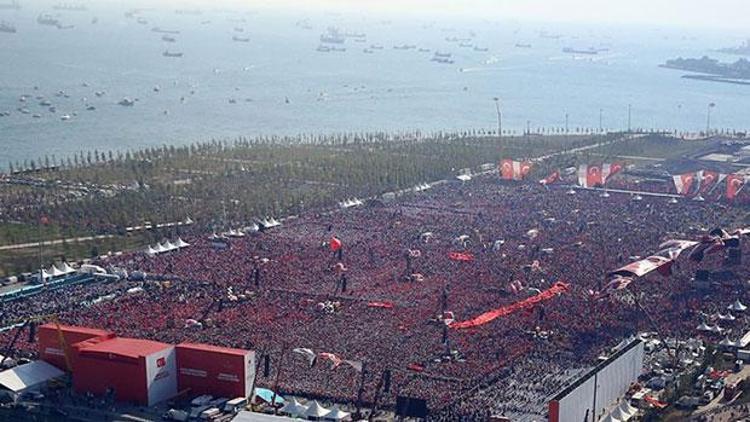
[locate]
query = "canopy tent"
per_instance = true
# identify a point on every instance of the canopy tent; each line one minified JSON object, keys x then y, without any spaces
{"x":337,"y":414}
{"x":715,"y":329}
{"x":28,"y":376}
{"x":252,"y":229}
{"x":727,"y":343}
{"x":703,"y":327}
{"x":181,"y":243}
{"x":294,"y":408}
{"x":464,"y":177}
{"x":159,"y":248}
{"x":315,"y":410}
{"x":169,"y":245}
{"x":268,"y":396}
{"x":727,"y":317}
{"x":151,"y":251}
{"x":56,"y":272}
{"x":67,"y":269}
{"x":737,"y":306}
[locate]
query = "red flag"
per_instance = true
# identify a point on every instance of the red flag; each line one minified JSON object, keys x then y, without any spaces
{"x":609,"y":170}
{"x":683,"y":183}
{"x":335,"y":244}
{"x":552,"y":178}
{"x":735,"y":183}
{"x":708,"y":179}
{"x":594,"y":176}
{"x":506,"y":169}
{"x":461,"y":256}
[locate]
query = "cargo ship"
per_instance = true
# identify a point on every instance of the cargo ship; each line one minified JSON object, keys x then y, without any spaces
{"x":332,"y":36}
{"x":589,"y":51}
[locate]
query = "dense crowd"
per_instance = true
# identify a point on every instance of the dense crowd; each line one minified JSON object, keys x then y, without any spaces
{"x":283,"y":289}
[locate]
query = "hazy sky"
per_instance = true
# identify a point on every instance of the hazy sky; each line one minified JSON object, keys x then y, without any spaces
{"x":727,"y":14}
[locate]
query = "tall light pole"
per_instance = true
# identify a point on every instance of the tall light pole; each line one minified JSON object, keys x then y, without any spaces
{"x":708,"y":117}
{"x":566,"y":123}
{"x":601,"y":117}
{"x":499,"y":118}
{"x":630,"y":114}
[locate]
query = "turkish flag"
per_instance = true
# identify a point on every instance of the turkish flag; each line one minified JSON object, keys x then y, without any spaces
{"x":594,"y":176}
{"x":709,"y":178}
{"x":683,"y":182}
{"x":506,"y":169}
{"x":735,"y":182}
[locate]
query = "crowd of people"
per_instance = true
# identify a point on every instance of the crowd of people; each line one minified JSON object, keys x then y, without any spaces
{"x":264,"y":292}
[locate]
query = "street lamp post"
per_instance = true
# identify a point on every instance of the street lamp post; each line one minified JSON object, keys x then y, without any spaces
{"x":566,"y":123}
{"x":499,"y":118}
{"x":630,"y":114}
{"x":708,"y":117}
{"x":601,"y":118}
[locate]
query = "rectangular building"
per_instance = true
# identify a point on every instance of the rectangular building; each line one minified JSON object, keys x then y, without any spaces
{"x":52,"y":351}
{"x":592,"y":395}
{"x":138,"y":371}
{"x":218,"y":371}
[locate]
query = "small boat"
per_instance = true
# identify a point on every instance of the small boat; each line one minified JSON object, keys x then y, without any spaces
{"x":90,"y":108}
{"x":376,"y":47}
{"x":61,"y":26}
{"x":522,"y":45}
{"x":164,"y":31}
{"x":424,"y":50}
{"x":481,"y":49}
{"x":36,"y":116}
{"x":240,"y":39}
{"x":48,"y":20}
{"x":170,"y":54}
{"x":167,"y":38}
{"x":142,"y":21}
{"x":323,"y":49}
{"x":65,"y":117}
{"x":126,"y":102}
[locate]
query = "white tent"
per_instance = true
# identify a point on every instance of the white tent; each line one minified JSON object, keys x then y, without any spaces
{"x":28,"y":376}
{"x":252,"y":229}
{"x":715,"y":329}
{"x":737,"y":306}
{"x":67,"y":269}
{"x":170,"y":246}
{"x":273,"y":222}
{"x":315,"y":410}
{"x":703,"y":327}
{"x":294,"y":408}
{"x":357,"y":202}
{"x":55,"y":272}
{"x":151,"y":251}
{"x":181,"y":243}
{"x":464,"y":177}
{"x":727,"y":343}
{"x":337,"y":414}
